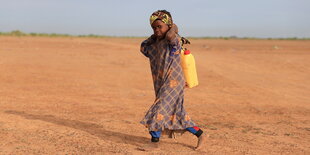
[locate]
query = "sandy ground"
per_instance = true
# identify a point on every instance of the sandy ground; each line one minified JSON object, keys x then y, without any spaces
{"x":87,"y":96}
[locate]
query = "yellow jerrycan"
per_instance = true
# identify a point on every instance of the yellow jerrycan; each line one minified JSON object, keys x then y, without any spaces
{"x":189,"y":68}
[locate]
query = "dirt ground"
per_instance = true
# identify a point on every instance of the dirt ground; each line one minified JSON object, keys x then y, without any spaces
{"x":87,"y":96}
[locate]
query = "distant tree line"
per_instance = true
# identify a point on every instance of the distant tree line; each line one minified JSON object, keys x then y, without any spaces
{"x":20,"y":33}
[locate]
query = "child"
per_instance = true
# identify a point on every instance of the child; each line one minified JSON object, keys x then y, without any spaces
{"x":167,"y":114}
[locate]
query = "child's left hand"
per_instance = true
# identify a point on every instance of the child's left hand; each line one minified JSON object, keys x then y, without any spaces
{"x":186,"y":85}
{"x":172,"y":33}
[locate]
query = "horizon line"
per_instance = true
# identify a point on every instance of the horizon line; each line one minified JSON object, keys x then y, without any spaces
{"x":21,"y":33}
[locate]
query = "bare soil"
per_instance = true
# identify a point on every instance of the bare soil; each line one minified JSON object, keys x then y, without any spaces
{"x":87,"y":96}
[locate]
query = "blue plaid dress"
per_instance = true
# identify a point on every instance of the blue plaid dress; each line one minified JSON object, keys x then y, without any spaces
{"x":167,"y":112}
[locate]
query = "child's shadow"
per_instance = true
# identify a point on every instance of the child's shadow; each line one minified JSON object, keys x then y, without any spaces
{"x":91,"y":128}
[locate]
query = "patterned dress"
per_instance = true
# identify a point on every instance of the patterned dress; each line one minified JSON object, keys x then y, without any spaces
{"x":167,"y":113}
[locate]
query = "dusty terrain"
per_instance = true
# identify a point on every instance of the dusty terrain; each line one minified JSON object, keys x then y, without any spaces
{"x":87,"y":95}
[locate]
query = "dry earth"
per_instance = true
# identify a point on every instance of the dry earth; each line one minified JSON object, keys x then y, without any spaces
{"x":87,"y":96}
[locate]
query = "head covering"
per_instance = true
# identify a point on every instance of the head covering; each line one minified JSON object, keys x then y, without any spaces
{"x":160,"y":15}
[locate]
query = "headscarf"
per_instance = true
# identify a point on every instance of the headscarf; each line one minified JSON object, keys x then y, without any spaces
{"x":164,"y":17}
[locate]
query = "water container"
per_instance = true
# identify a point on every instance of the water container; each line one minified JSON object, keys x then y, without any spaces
{"x":189,"y":68}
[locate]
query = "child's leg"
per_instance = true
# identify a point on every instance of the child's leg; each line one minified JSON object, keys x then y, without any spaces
{"x":153,"y":145}
{"x":198,"y":132}
{"x":195,"y":130}
{"x":155,"y":136}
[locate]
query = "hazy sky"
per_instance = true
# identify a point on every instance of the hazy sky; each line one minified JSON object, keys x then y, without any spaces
{"x":243,"y":18}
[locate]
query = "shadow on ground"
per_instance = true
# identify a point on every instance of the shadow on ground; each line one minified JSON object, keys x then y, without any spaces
{"x":91,"y":128}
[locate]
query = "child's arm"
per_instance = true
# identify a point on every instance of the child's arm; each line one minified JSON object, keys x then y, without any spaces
{"x":174,"y":42}
{"x":145,"y":44}
{"x":175,"y":47}
{"x":172,"y":33}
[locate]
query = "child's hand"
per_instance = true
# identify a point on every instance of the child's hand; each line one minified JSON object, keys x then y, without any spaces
{"x":186,"y":85}
{"x":172,"y":33}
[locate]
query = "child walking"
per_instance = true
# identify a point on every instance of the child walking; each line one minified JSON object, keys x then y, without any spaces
{"x":167,"y":114}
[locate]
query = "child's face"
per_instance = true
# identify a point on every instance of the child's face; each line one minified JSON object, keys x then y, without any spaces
{"x":160,"y":29}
